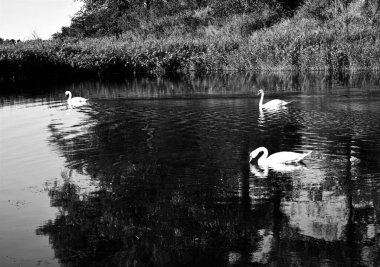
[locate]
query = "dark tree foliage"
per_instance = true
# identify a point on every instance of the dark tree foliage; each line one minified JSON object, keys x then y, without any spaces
{"x":113,"y":17}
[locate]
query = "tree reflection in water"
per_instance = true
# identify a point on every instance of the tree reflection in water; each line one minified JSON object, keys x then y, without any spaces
{"x":139,"y":220}
{"x":140,"y":210}
{"x":159,"y":184}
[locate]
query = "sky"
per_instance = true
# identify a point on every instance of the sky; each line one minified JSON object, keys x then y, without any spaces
{"x":23,"y":19}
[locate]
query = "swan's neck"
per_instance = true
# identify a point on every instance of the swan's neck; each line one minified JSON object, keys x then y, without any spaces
{"x":69,"y":96}
{"x":261,"y":99}
{"x":263,"y":157}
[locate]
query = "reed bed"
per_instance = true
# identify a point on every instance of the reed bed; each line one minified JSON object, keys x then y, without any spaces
{"x":348,"y":42}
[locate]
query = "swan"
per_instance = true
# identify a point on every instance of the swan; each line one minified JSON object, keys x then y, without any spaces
{"x":284,"y":157}
{"x":75,"y":101}
{"x":275,"y":103}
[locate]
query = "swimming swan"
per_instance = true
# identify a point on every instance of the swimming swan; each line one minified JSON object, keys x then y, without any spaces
{"x":283,"y":157}
{"x":75,"y":101}
{"x":275,"y":103}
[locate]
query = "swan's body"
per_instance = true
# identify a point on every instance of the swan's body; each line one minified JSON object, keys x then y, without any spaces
{"x":75,"y":101}
{"x":275,"y":103}
{"x":284,"y":157}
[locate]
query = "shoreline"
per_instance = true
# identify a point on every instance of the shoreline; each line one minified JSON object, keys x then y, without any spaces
{"x":301,"y":45}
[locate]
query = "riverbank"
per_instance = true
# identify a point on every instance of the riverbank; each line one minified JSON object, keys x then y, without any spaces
{"x":348,"y":42}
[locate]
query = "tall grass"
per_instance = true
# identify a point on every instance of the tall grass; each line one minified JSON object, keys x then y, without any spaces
{"x":106,"y":56}
{"x":347,"y":41}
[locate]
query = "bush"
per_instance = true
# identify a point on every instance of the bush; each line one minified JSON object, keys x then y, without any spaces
{"x":348,"y":41}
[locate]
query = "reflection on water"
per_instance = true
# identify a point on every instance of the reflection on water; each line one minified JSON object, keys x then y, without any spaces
{"x":263,"y":171}
{"x":156,"y":172}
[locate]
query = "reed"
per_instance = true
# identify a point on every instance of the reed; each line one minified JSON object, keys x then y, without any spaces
{"x":346,"y":42}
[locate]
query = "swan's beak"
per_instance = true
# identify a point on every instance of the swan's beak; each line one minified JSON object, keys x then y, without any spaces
{"x":258,"y":92}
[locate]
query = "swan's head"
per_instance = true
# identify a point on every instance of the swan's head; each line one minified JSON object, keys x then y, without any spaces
{"x":67,"y":93}
{"x":253,"y":155}
{"x":256,"y":152}
{"x":260,"y":92}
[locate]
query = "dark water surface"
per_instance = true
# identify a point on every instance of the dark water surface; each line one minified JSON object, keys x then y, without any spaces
{"x":155,"y":172}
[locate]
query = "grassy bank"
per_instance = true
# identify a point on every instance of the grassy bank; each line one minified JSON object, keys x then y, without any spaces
{"x":347,"y":41}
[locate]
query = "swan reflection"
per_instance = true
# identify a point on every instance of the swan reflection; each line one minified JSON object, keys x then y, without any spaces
{"x":76,"y":105}
{"x":263,"y":171}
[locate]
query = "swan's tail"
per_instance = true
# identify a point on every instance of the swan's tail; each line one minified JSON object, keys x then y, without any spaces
{"x":306,"y":154}
{"x":302,"y":157}
{"x":287,"y":103}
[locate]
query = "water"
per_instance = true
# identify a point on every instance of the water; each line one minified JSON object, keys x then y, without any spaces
{"x":155,"y":172}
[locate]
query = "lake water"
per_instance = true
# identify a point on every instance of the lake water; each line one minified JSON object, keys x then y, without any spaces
{"x":155,"y":172}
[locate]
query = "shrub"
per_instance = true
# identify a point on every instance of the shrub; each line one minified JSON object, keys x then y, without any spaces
{"x":347,"y":41}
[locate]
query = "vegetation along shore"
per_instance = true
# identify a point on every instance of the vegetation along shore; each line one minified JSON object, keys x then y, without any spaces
{"x":110,"y":38}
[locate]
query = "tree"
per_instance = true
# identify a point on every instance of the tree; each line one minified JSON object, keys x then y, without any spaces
{"x":113,"y":17}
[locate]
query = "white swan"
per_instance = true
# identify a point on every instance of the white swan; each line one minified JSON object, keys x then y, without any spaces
{"x":283,"y":157}
{"x":75,"y":101}
{"x":275,"y":103}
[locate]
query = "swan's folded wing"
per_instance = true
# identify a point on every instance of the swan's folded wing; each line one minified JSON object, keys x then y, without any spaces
{"x":285,"y":157}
